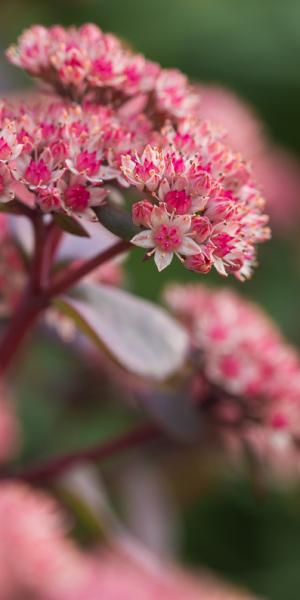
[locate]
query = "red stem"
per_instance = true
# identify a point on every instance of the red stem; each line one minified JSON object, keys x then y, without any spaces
{"x":27,"y":312}
{"x":56,"y":466}
{"x":37,"y":297}
{"x":72,"y":275}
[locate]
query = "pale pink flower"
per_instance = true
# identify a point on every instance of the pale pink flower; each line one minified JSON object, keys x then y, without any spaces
{"x":242,"y":127}
{"x":275,"y":168}
{"x":44,"y":562}
{"x":278,"y":171}
{"x":243,"y":354}
{"x":132,"y":573}
{"x":168,"y":235}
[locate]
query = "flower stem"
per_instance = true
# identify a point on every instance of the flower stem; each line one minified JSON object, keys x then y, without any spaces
{"x":26,"y":313}
{"x":56,"y":466}
{"x":37,"y":296}
{"x":72,"y":275}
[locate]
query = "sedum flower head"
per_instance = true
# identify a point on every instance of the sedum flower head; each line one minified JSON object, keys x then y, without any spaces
{"x":243,"y":355}
{"x":194,"y":177}
{"x":44,"y":563}
{"x":123,"y":121}
{"x":87,"y":61}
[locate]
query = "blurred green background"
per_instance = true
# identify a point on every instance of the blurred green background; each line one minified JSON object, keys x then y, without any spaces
{"x":252,"y":47}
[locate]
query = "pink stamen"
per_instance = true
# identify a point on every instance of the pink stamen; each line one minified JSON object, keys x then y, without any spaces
{"x":178,"y":200}
{"x":77,"y":197}
{"x":37,"y":173}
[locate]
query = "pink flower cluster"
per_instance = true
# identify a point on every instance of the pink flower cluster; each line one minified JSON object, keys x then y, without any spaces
{"x":242,"y":354}
{"x":86,"y":61}
{"x":61,"y":153}
{"x":138,"y":126}
{"x":202,"y":203}
{"x":43,"y":563}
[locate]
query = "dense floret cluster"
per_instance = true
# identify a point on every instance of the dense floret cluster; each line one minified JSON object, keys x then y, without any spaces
{"x":47,"y":565}
{"x":243,"y":354}
{"x":137,"y":125}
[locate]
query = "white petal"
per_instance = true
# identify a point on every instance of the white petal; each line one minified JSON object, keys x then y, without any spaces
{"x":105,"y":173}
{"x":70,"y":165}
{"x":198,"y":203}
{"x":183,"y":222}
{"x":219,"y":266}
{"x":162,"y":259}
{"x":56,"y":175}
{"x":143,"y":239}
{"x":152,"y":182}
{"x":189,"y":247}
{"x":6,"y":197}
{"x":164,"y":188}
{"x":16,"y":151}
{"x":159,"y":216}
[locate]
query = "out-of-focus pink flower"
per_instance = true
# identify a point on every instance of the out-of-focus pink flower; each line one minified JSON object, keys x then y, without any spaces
{"x":276,"y":169}
{"x":243,"y":355}
{"x":134,"y":574}
{"x":244,"y":131}
{"x":37,"y":558}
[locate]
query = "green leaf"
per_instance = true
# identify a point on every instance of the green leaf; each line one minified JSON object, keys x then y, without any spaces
{"x":173,"y":409}
{"x":141,"y":336}
{"x":116,"y":220}
{"x":70,"y":225}
{"x":13,"y":207}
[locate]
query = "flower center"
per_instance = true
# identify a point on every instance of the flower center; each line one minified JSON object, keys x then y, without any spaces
{"x":77,"y":197}
{"x":103,"y":68}
{"x":178,"y":200}
{"x":167,"y":237}
{"x":37,"y":172}
{"x":86,"y":161}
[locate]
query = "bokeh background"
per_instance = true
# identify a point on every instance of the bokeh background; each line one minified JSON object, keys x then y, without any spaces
{"x":252,"y":47}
